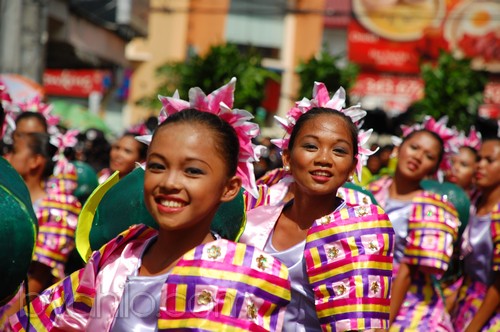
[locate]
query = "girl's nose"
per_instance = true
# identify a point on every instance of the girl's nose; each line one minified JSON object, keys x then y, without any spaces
{"x":323,"y":157}
{"x":171,"y":181}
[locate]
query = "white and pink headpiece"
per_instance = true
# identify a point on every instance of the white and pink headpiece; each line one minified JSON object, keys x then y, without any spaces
{"x":220,"y":103}
{"x":321,"y":98}
{"x":473,"y":140}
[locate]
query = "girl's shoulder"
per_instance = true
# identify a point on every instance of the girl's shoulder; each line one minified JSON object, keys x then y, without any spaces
{"x":379,"y":184}
{"x":136,"y":233}
{"x":352,"y":217}
{"x":429,"y":198}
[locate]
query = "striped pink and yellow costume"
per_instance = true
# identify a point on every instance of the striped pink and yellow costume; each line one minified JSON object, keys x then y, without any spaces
{"x":348,"y":260}
{"x":219,"y":286}
{"x":57,"y":218}
{"x":482,"y":264}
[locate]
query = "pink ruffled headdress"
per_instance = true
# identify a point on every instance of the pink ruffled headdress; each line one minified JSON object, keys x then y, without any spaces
{"x":6,"y":101}
{"x":33,"y":105}
{"x":220,"y":103}
{"x":473,"y":140}
{"x":321,"y":98}
{"x":65,"y":177}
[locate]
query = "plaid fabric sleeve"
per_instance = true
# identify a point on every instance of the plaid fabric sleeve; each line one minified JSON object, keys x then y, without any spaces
{"x":432,"y":230}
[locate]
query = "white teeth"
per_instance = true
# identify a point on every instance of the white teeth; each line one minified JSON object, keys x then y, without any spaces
{"x":321,"y":173}
{"x":171,"y":204}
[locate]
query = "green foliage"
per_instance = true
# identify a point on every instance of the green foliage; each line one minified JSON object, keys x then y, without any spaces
{"x":213,"y":70}
{"x":452,"y":88}
{"x":325,"y":68}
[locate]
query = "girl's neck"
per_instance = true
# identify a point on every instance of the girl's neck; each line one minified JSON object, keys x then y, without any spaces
{"x":306,"y":209}
{"x":403,"y":188}
{"x":36,"y":189}
{"x":488,"y":200}
{"x":169,"y":247}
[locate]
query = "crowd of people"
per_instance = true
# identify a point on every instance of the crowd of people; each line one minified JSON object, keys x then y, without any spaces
{"x":334,"y":236}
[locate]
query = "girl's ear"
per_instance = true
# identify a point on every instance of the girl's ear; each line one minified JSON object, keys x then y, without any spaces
{"x":36,"y":163}
{"x":232,"y":189}
{"x":285,"y":158}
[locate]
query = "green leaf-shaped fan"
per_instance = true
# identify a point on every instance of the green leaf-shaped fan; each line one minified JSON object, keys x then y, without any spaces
{"x":18,"y":229}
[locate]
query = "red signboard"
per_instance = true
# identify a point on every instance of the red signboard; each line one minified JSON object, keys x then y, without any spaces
{"x":395,"y":93}
{"x":396,"y":35}
{"x":74,"y":83}
{"x":389,"y":92}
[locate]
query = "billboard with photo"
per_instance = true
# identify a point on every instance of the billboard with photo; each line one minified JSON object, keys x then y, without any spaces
{"x":396,"y":35}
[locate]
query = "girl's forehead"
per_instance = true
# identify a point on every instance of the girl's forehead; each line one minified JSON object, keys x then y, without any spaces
{"x":327,"y":122}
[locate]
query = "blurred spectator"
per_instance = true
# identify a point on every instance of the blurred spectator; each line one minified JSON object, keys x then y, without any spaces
{"x":93,"y":148}
{"x":270,"y":159}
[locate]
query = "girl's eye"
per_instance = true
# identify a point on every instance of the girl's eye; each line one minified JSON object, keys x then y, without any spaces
{"x":340,"y":150}
{"x":154,"y":166}
{"x":308,"y":146}
{"x":194,"y":171}
{"x":430,"y":157}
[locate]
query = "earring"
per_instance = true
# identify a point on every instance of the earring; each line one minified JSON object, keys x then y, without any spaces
{"x":351,"y":178}
{"x":286,"y":168}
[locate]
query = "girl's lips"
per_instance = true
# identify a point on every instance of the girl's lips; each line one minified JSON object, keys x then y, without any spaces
{"x":452,"y":179}
{"x":412,"y":166}
{"x":321,"y":176}
{"x":169,"y":205}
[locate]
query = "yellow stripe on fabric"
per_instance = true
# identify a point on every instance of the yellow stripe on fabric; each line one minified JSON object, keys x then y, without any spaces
{"x":47,"y":253}
{"x":337,"y":310}
{"x":200,"y":323}
{"x":35,"y":322}
{"x":266,"y":320}
{"x":361,"y":323}
{"x":283,"y":272}
{"x":432,"y":224}
{"x":353,"y":246}
{"x":180,"y":301}
{"x":57,"y":230}
{"x":349,"y":267}
{"x":325,"y":294}
{"x":229,"y":301}
{"x":426,"y":253}
{"x":233,"y":276}
{"x":387,"y":289}
{"x":358,"y":280}
{"x":67,"y":207}
{"x":315,"y":256}
{"x":239,"y":255}
{"x":387,"y":243}
{"x":375,"y":224}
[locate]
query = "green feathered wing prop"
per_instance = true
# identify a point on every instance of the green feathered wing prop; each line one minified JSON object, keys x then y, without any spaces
{"x":116,"y":205}
{"x":18,"y":230}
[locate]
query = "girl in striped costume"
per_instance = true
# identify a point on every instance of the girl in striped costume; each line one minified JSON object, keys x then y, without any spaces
{"x":426,"y":226}
{"x":339,"y":255}
{"x":478,"y":300}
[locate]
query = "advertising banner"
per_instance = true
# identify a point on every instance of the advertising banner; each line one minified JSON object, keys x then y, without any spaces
{"x":396,"y":35}
{"x":75,"y":83}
